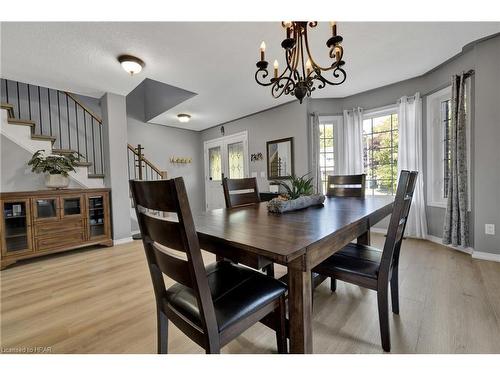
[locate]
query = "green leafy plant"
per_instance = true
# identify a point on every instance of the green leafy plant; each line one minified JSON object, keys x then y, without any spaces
{"x":297,"y":186}
{"x":53,"y":164}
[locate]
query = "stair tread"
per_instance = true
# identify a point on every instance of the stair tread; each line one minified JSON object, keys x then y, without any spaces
{"x":44,"y":137}
{"x":83,"y":163}
{"x":6,"y":105}
{"x":63,"y":151}
{"x":12,"y":120}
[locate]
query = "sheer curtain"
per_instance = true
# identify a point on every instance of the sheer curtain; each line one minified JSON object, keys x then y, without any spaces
{"x":410,"y":158}
{"x":314,"y":151}
{"x":456,"y":223}
{"x":351,"y":161}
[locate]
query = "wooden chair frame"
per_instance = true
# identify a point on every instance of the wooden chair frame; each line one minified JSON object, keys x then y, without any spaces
{"x":169,"y":196}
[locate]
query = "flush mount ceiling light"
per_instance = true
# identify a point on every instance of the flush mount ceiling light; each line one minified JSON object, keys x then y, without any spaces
{"x":183,"y":117}
{"x":302,"y":74}
{"x":131,"y":64}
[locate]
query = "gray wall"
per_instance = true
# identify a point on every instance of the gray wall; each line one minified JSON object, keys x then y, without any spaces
{"x":161,"y":142}
{"x":288,"y":120}
{"x":486,"y":145}
{"x":483,"y":57}
{"x":115,"y":149}
{"x":15,"y":175}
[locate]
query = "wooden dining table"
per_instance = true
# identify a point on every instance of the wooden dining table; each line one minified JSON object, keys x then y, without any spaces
{"x":298,"y":240}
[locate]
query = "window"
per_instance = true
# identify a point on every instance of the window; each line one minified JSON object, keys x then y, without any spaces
{"x":438,"y":106}
{"x":380,"y":151}
{"x":326,"y":152}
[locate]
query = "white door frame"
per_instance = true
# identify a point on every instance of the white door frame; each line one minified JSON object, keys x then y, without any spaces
{"x":223,"y":142}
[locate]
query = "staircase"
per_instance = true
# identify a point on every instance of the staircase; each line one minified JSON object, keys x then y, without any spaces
{"x":37,"y":118}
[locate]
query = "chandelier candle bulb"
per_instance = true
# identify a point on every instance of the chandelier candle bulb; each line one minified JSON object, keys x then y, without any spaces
{"x":262,"y":51}
{"x":276,"y":66}
{"x":333,"y":24}
{"x":337,"y":53}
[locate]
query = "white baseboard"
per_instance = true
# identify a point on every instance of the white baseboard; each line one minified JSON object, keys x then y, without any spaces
{"x":486,"y":256}
{"x":438,"y":240}
{"x":121,"y":241}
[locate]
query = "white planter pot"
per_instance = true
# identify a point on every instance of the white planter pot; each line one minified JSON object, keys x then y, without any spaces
{"x":56,"y":181}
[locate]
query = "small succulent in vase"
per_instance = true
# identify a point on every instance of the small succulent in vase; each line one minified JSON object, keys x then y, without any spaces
{"x":299,"y":195}
{"x":56,"y":167}
{"x":297,"y":186}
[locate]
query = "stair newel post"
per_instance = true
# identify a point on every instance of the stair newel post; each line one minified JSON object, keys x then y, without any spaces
{"x":139,"y":159}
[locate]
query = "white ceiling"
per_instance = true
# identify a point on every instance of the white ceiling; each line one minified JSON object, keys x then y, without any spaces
{"x":217,"y":59}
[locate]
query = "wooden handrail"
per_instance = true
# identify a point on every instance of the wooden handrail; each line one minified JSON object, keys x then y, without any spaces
{"x":97,"y":118}
{"x":163,"y":174}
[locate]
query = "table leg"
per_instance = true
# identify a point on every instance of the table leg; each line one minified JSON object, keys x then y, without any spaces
{"x":300,"y":311}
{"x":364,"y":239}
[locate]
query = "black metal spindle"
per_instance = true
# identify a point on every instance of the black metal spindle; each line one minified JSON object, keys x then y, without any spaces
{"x":93,"y":146}
{"x":100,"y":143}
{"x":50,"y":112}
{"x":40,"y":110}
{"x":85,"y":129}
{"x":77,"y":135}
{"x":128,"y":162}
{"x":18,"y":102}
{"x":59,"y":115}
{"x":67,"y":114}
{"x":135,"y":169}
{"x":7,"y":90}
{"x":29,"y":100}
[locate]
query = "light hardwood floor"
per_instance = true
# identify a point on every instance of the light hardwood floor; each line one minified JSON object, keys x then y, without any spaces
{"x":101,"y":301}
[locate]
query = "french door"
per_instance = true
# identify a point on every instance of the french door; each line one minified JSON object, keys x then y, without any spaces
{"x":224,"y":157}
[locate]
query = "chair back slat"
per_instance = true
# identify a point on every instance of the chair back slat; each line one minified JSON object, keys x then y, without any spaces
{"x":173,"y":266}
{"x":346,"y":186}
{"x":240,"y":192}
{"x":166,"y":233}
{"x":399,"y":219}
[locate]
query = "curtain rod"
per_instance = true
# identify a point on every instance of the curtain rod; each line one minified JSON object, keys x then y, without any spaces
{"x":469,"y":73}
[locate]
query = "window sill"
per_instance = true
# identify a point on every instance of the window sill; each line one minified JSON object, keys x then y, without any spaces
{"x":437,"y":204}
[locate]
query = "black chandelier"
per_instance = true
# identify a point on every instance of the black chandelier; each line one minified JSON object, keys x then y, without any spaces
{"x":300,"y":77}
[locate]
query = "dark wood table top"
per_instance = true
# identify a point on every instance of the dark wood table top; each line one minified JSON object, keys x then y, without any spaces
{"x":285,"y":237}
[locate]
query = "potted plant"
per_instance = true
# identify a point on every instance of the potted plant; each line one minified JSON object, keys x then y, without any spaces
{"x":57,"y":167}
{"x":299,"y":194}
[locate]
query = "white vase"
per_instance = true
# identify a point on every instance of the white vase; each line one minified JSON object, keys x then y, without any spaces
{"x":56,"y":181}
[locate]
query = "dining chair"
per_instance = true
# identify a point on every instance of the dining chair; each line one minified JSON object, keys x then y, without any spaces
{"x":240,"y":192}
{"x":371,"y":268}
{"x":346,"y":185}
{"x":211,"y":305}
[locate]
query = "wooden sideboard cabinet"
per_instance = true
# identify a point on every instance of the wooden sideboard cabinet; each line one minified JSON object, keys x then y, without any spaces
{"x":36,"y":223}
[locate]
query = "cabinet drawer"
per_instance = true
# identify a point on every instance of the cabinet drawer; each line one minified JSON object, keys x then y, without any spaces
{"x":57,"y":227}
{"x":66,"y":239}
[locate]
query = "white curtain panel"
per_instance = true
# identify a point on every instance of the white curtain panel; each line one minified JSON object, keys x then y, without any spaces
{"x":351,"y":161}
{"x":314,"y":154}
{"x":410,"y":158}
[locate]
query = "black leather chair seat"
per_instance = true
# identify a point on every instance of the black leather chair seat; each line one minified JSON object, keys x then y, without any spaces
{"x":236,"y":291}
{"x":355,"y":259}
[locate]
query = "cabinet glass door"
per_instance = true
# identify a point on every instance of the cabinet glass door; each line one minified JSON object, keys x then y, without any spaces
{"x":16,"y":227}
{"x":96,"y":216}
{"x":46,"y":208}
{"x":72,"y":206}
